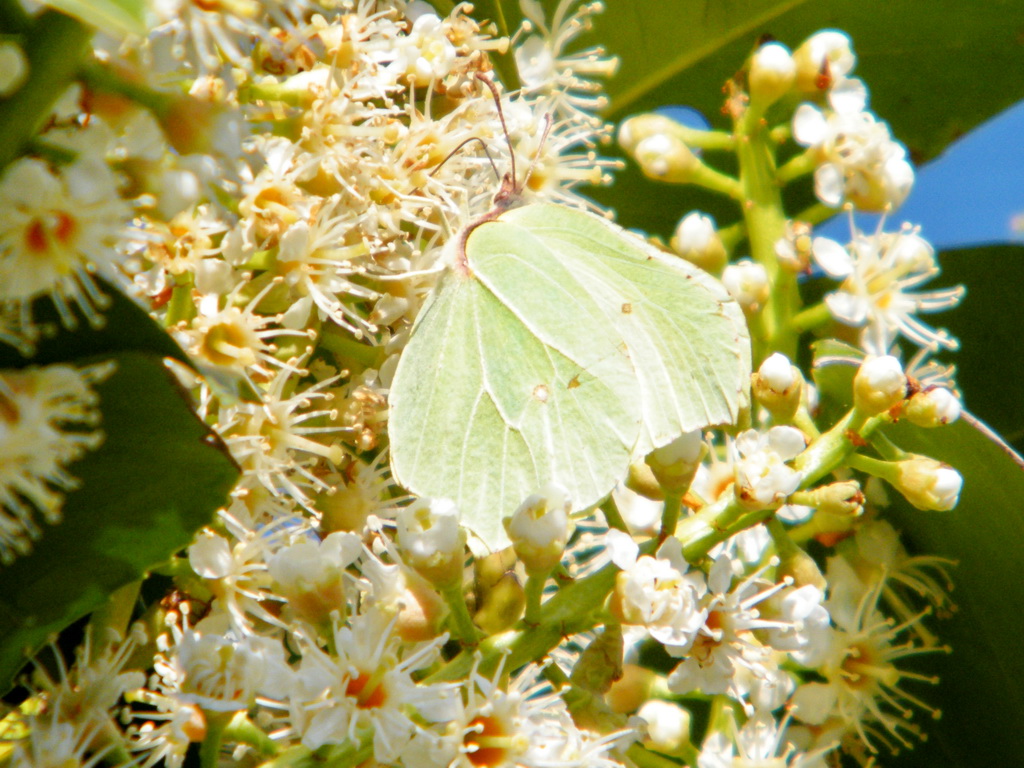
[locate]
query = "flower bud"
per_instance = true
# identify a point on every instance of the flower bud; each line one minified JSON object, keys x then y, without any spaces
{"x":636,"y":129}
{"x":842,"y":499}
{"x":675,"y":464}
{"x":822,"y":58}
{"x":747,"y":282}
{"x":664,"y":157}
{"x":501,"y":605}
{"x":928,"y":484}
{"x":933,"y":407}
{"x":772,"y":74}
{"x":632,"y":689}
{"x":539,"y":529}
{"x":668,"y":725}
{"x":641,"y":480}
{"x":697,"y":241}
{"x":431,"y":541}
{"x":600,"y":664}
{"x":13,"y":67}
{"x":800,"y":567}
{"x":879,"y":385}
{"x":778,"y":386}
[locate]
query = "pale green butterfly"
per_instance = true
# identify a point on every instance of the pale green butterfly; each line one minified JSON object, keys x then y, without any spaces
{"x":557,"y":348}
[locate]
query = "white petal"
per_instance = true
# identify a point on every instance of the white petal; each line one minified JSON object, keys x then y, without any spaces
{"x":622,"y":549}
{"x":809,"y":126}
{"x":829,"y":184}
{"x":832,"y":257}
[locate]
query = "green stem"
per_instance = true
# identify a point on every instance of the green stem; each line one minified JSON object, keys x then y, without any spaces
{"x":613,"y":516}
{"x":815,"y":214}
{"x":54,"y":46}
{"x":180,"y":307}
{"x":340,"y":342}
{"x":887,"y":447}
{"x":886,"y":470}
{"x":707,"y":177}
{"x":766,"y":224}
{"x":463,"y":628}
{"x":209,"y":750}
{"x":670,"y":515}
{"x":534,"y":591}
{"x":714,"y":524}
{"x":102,"y":78}
{"x":810,"y":318}
{"x":830,"y":450}
{"x":644,"y":758}
{"x":803,"y":164}
{"x":244,"y":730}
{"x":710,"y":140}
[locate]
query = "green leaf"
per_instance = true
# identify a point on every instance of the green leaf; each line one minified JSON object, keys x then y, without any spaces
{"x":987,"y":322}
{"x":982,"y":534}
{"x":563,"y":350}
{"x":115,"y":17}
{"x":158,"y":476}
{"x":126,"y":327}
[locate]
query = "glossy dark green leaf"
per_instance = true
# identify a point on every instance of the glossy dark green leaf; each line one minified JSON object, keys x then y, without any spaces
{"x":115,"y":17}
{"x":126,"y":327}
{"x":988,"y":323}
{"x":978,"y":693}
{"x":158,"y":477}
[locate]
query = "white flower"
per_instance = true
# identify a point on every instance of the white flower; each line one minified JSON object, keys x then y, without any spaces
{"x":726,"y":656}
{"x":879,"y":272}
{"x":762,"y":476}
{"x":657,"y":592}
{"x":48,"y":419}
{"x":747,"y":282}
{"x":219,"y":670}
{"x":859,"y":160}
{"x":431,"y":540}
{"x":367,"y":684}
{"x":56,"y":232}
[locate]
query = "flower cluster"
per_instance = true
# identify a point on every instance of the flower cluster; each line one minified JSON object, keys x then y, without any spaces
{"x":285,"y":213}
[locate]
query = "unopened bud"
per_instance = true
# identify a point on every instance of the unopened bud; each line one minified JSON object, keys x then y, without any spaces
{"x":431,"y":540}
{"x":822,"y":58}
{"x":697,"y":241}
{"x":600,"y":664}
{"x":668,"y":725}
{"x":801,"y":568}
{"x":539,"y":529}
{"x":928,"y":484}
{"x":879,"y":385}
{"x":675,"y":464}
{"x":636,"y":129}
{"x":932,"y":407}
{"x":13,"y":67}
{"x":772,"y":74}
{"x":842,"y":499}
{"x":747,"y":282}
{"x":641,"y":480}
{"x":501,"y":605}
{"x":778,"y":386}
{"x":664,"y":157}
{"x":631,"y":690}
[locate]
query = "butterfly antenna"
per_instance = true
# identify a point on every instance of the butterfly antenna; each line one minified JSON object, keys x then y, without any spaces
{"x":483,"y":145}
{"x":501,"y":116}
